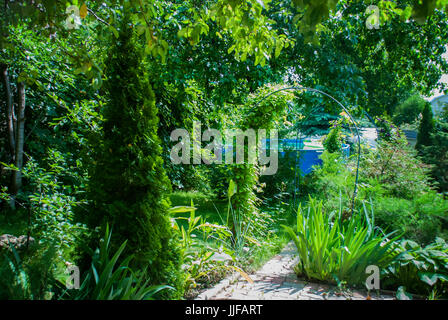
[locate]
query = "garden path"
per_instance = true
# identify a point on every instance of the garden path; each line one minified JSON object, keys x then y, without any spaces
{"x":276,"y":280}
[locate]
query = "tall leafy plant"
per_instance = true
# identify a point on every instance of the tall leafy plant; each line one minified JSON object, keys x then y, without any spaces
{"x":110,"y":277}
{"x":331,"y":247}
{"x":240,"y":236}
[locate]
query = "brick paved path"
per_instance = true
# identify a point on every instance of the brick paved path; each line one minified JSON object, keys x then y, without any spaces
{"x":276,"y":280}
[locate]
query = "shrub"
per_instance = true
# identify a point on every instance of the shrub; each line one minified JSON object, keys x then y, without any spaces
{"x":49,"y":199}
{"x":436,"y":155}
{"x":395,"y":166}
{"x":426,"y":128}
{"x":188,"y":178}
{"x":387,"y":131}
{"x":333,"y":141}
{"x":219,"y":180}
{"x":331,"y":179}
{"x":398,"y":185}
{"x":128,"y":186}
{"x":415,"y":219}
{"x":408,"y":111}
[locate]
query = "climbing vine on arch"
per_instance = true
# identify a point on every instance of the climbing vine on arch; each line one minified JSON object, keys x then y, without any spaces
{"x":265,"y":115}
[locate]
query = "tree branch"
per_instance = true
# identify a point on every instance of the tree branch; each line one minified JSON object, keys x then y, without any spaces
{"x":97,"y":17}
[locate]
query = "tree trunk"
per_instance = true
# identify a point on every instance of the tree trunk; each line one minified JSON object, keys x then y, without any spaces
{"x":20,"y":139}
{"x":9,"y":109}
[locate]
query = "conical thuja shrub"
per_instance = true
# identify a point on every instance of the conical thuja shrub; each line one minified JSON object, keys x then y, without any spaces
{"x":128,"y":186}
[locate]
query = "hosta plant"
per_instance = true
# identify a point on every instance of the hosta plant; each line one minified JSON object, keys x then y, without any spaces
{"x":421,"y":270}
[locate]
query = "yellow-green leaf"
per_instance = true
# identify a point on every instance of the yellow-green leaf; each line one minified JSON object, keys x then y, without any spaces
{"x":83,"y":11}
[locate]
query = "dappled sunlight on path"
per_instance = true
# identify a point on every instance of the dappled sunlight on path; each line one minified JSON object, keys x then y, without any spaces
{"x":276,"y":280}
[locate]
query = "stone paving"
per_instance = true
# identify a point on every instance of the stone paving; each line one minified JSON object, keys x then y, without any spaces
{"x":276,"y":280}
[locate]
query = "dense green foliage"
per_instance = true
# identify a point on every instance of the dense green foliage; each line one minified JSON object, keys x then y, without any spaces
{"x":420,"y":269}
{"x":397,"y":187}
{"x":30,"y":276}
{"x":332,"y":142}
{"x":262,"y":112}
{"x":426,"y":128}
{"x":409,"y":110}
{"x":128,"y":185}
{"x":89,"y":100}
{"x":110,"y":277}
{"x":436,"y":155}
{"x":333,"y":248}
{"x":397,"y":183}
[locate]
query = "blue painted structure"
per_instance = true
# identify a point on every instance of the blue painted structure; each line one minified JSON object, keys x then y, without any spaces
{"x":309,"y":157}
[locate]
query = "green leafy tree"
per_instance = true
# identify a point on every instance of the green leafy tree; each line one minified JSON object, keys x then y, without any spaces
{"x":409,"y":110}
{"x":128,"y":184}
{"x":375,"y":68}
